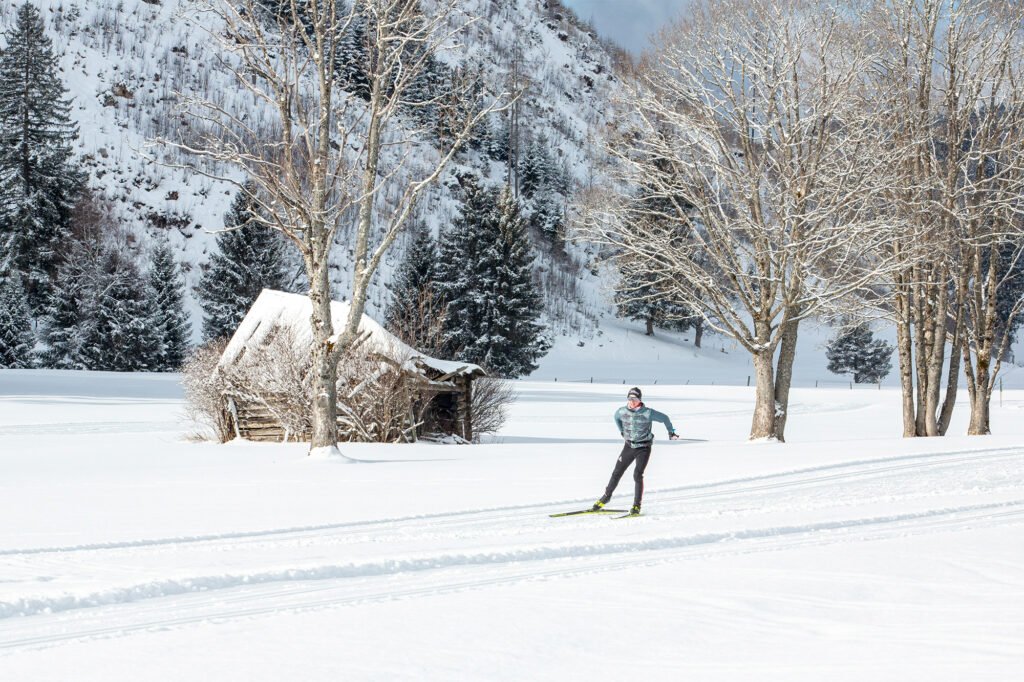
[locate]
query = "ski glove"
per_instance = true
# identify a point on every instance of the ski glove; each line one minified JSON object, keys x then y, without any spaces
{"x":673,"y":436}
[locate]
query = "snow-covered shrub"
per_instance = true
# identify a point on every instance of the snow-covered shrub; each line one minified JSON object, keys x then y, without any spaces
{"x":491,"y":400}
{"x":204,"y":392}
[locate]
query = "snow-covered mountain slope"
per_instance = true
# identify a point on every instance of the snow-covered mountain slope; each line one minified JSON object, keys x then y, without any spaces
{"x":620,"y":353}
{"x":124,"y":61}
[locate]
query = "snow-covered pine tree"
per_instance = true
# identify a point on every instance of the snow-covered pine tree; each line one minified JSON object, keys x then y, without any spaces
{"x":16,"y":337}
{"x":456,"y":93}
{"x":486,"y":277}
{"x":38,"y":179}
{"x":856,"y":350}
{"x":547,"y":215}
{"x":1010,"y":294}
{"x":119,"y":338}
{"x":416,"y":315}
{"x":68,"y":317}
{"x":427,"y":91}
{"x":458,"y":267}
{"x":351,"y":65}
{"x":543,"y":184}
{"x":497,"y":136}
{"x":168,"y":322}
{"x":537,"y":170}
{"x":251,"y":258}
{"x":638,"y":297}
{"x":515,"y":337}
{"x":97,"y":318}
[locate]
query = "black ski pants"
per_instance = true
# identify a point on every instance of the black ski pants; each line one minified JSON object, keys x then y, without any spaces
{"x":629,"y":454}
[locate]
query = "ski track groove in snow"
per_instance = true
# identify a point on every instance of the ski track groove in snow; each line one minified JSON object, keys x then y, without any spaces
{"x":50,"y":619}
{"x":87,"y":428}
{"x":860,"y":468}
{"x":580,"y":559}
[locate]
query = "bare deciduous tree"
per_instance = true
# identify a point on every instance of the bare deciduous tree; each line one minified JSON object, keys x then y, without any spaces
{"x":319,"y":159}
{"x":950,"y":95}
{"x":756,"y":169}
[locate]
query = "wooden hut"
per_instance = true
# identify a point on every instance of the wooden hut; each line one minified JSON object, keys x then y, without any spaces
{"x":443,"y":389}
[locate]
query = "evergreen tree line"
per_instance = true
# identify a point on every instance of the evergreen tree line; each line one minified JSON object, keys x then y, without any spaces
{"x":640,"y":294}
{"x":428,"y":100}
{"x":471,"y":297}
{"x":73,"y":294}
{"x":108,"y":313}
{"x":543,"y":182}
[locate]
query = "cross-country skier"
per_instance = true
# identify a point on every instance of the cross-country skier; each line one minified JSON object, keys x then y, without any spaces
{"x":634,"y":421}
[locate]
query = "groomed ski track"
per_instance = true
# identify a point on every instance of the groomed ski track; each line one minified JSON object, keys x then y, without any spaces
{"x":117,"y":588}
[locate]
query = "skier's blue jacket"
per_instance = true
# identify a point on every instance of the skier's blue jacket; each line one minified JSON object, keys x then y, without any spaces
{"x":635,"y":425}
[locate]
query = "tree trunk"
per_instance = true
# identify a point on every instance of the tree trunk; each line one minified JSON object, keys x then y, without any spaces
{"x":922,"y":342}
{"x":937,"y":350}
{"x":979,"y":389}
{"x":952,"y":385}
{"x":650,"y":327}
{"x":953,"y":379}
{"x":980,"y":407}
{"x":904,"y":348}
{"x":763,"y":425}
{"x":325,"y":371}
{"x":698,"y":332}
{"x":784,"y":378}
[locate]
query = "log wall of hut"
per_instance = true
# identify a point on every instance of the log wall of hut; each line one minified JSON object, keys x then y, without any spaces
{"x":257,"y":422}
{"x":448,"y":412}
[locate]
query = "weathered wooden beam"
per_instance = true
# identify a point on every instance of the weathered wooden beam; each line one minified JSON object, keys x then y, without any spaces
{"x":449,"y":375}
{"x":467,"y":408}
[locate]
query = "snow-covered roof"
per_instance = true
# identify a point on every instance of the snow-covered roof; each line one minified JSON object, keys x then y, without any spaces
{"x":278,"y":309}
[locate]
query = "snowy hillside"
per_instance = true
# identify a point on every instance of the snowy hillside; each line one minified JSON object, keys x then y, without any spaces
{"x":848,"y":554}
{"x":124,"y":61}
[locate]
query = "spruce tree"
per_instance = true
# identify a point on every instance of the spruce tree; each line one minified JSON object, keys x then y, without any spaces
{"x":459,"y":267}
{"x":67,"y":318}
{"x":485,"y":275}
{"x":251,"y":258}
{"x":855,"y":350}
{"x":119,"y":338}
{"x":96,"y":318}
{"x":38,"y":178}
{"x":1011,"y":290}
{"x":542,"y":183}
{"x":638,"y":296}
{"x":514,"y":338}
{"x":352,"y":62}
{"x":415,"y":308}
{"x":430,"y":87}
{"x":547,"y":215}
{"x":537,"y":172}
{"x":496,"y":136}
{"x":456,"y":103}
{"x":168,"y":322}
{"x":16,"y":337}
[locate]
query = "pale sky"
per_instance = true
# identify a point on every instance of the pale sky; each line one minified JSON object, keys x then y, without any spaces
{"x":628,"y":22}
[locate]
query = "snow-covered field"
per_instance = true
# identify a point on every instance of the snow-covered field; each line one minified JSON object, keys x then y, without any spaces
{"x":128,"y":552}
